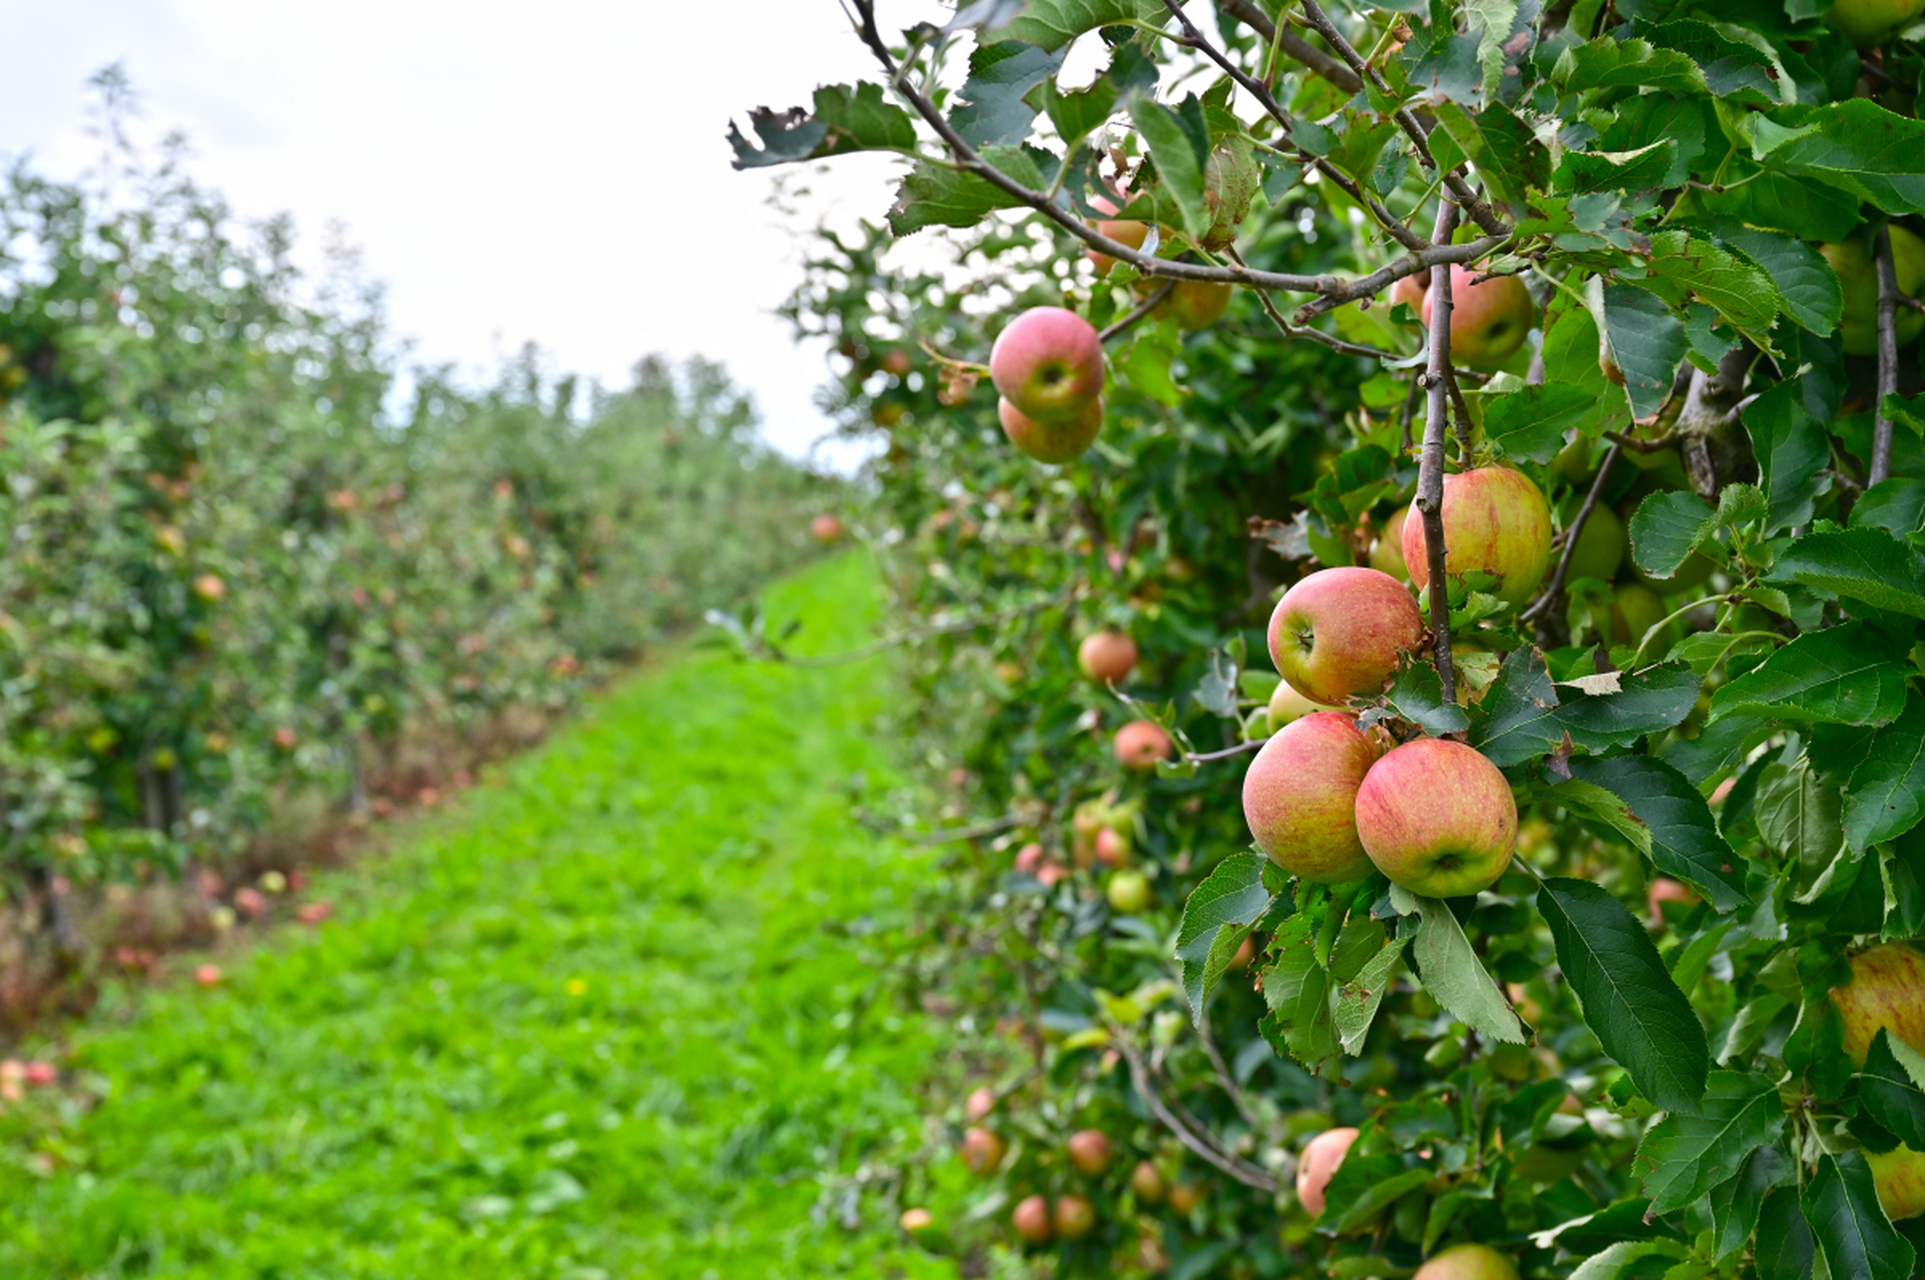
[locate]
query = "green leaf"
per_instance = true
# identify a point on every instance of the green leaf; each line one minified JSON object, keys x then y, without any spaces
{"x":1892,"y":1086}
{"x":1297,"y":990}
{"x":1735,"y":1203}
{"x":935,"y":196}
{"x":1852,"y":1233}
{"x":1667,"y":527}
{"x":1800,"y":817}
{"x":1886,"y":797}
{"x":1179,"y":142}
{"x":1647,"y":341}
{"x":1215,"y":922}
{"x":1684,"y":1156}
{"x":1896,"y":505}
{"x":1359,"y":998}
{"x":844,"y":120}
{"x":1605,"y":63}
{"x":1785,"y":1250}
{"x":1639,"y":1016}
{"x":1806,"y":284}
{"x":1734,"y":70}
{"x":1867,"y":565}
{"x":1051,"y":24}
{"x":1669,"y":822}
{"x":1418,"y":696}
{"x":1782,"y":203}
{"x":1841,"y":675}
{"x":1616,"y":1259}
{"x":1691,"y":264}
{"x":1530,"y":423}
{"x":1376,"y":1182}
{"x":1517,"y":718}
{"x":1512,"y":160}
{"x":1791,"y":448}
{"x":992,"y":110}
{"x":1451,"y":971}
{"x":1617,"y":710}
{"x":1856,"y":145}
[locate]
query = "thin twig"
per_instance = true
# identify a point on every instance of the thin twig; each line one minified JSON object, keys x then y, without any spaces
{"x":1315,"y":335}
{"x":1430,"y":467}
{"x":1881,"y":461}
{"x":1462,"y":413}
{"x":1242,"y":1170}
{"x":1571,"y":535}
{"x":1142,"y":310}
{"x":1242,"y":748}
{"x":1293,"y":45}
{"x":1223,"y":1075}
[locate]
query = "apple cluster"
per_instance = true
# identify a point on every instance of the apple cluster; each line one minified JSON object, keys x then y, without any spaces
{"x":1047,"y":365}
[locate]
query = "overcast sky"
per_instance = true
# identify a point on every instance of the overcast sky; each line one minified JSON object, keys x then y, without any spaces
{"x":554,"y":172}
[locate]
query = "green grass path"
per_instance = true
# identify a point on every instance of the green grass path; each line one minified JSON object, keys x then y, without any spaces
{"x":589,"y":1024}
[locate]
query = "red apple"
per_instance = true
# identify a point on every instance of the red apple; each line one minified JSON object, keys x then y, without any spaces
{"x":1186,"y":1198}
{"x":1107,"y":656}
{"x":826,"y":528}
{"x":1468,"y":1262}
{"x":1410,"y":291}
{"x":1488,"y":321}
{"x":1887,"y":989}
{"x":1090,"y":1152}
{"x":1147,"y":1183}
{"x":1140,"y":744}
{"x":915,"y":1221}
{"x":1052,"y":442}
{"x":1112,"y":847}
{"x":1437,"y":818}
{"x":1495,"y":521}
{"x":982,"y":1151}
{"x":209,"y":587}
{"x":1075,"y":1217}
{"x":980,"y":1103}
{"x":1029,"y":859}
{"x":1300,"y":797}
{"x":1340,"y":632}
{"x":208,"y":975}
{"x":40,"y":1074}
{"x":1048,"y":363}
{"x":1125,"y":230}
{"x":1318,"y":1165}
{"x":1032,"y":1220}
{"x":1662,"y":890}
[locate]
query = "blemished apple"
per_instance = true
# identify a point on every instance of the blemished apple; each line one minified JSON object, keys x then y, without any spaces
{"x":1090,"y":1152}
{"x":1122,"y":230}
{"x":1031,"y":1219}
{"x":1468,"y":1262}
{"x":1437,"y":818}
{"x":1387,"y":553}
{"x":1495,"y":521}
{"x":1147,"y":1183}
{"x":1048,"y":363}
{"x":1869,"y":22}
{"x":982,"y":1151}
{"x":1600,"y":546}
{"x":1300,"y":797}
{"x":1052,"y":442}
{"x":1140,"y":744}
{"x":1852,"y":259}
{"x":1107,"y":656}
{"x":1340,"y":632}
{"x":1318,"y":1164}
{"x":1899,"y":1175}
{"x":1887,"y":989}
{"x":1129,"y":893}
{"x":1075,"y":1217}
{"x":1488,"y":321}
{"x":1287,"y":706}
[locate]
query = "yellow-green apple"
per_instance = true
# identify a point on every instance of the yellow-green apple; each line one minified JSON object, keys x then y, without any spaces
{"x":1887,"y":989}
{"x":1198,"y":304}
{"x":1052,"y":442}
{"x":1635,"y":609}
{"x":1694,"y":572}
{"x":1858,"y":274}
{"x":1186,"y":1197}
{"x":1600,"y":546}
{"x":1899,"y":1176}
{"x":1488,"y":321}
{"x":1869,"y":22}
{"x":1129,"y":893}
{"x":1387,"y":553}
{"x":1140,"y":744}
{"x":1468,"y":1262}
{"x":1031,"y":1220}
{"x":1048,"y":363}
{"x":1124,"y":230}
{"x":1437,"y":818}
{"x":1090,"y":1152}
{"x":1287,"y":706}
{"x":1340,"y":632}
{"x":982,"y":1151}
{"x":209,"y":587}
{"x":1495,"y":521}
{"x":1107,"y":656}
{"x":1075,"y":1217}
{"x":1318,"y":1164}
{"x":1300,"y":797}
{"x":1147,"y":1183}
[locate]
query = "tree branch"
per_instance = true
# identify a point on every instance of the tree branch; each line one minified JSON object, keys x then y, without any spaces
{"x":1242,"y":1170}
{"x":1315,"y":335}
{"x":1242,"y":748}
{"x":1430,"y":467}
{"x":1293,"y":45}
{"x":1881,"y":460}
{"x":1142,"y":310}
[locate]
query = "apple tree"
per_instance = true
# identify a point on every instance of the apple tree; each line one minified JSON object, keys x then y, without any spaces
{"x":1596,"y":323}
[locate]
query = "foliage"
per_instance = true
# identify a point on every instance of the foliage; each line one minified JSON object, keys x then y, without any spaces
{"x":1659,"y":175}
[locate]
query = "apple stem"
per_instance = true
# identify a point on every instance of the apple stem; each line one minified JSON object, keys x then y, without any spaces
{"x":1881,"y":464}
{"x":1430,"y":466}
{"x":1571,"y":533}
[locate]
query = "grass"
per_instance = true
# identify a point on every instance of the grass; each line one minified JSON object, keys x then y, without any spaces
{"x":605,"y":1019}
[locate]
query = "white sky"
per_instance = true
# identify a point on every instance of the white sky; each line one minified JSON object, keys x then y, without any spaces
{"x":554,"y":172}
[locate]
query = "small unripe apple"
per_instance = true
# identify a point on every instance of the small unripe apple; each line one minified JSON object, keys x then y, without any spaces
{"x":1437,"y":818}
{"x":1852,"y":259}
{"x":1340,"y":632}
{"x":1090,"y":1152}
{"x":1887,"y":989}
{"x":1468,"y":1262}
{"x":1300,"y":797}
{"x":1075,"y":1217}
{"x":1694,"y":572}
{"x":1488,"y":321}
{"x":1129,"y":893}
{"x":1870,"y":22}
{"x":1287,"y":706}
{"x":1635,"y":609}
{"x":1052,"y":442}
{"x":1048,"y":363}
{"x":982,"y":1151}
{"x":1107,"y":656}
{"x":1140,"y":744}
{"x":826,"y":528}
{"x":1031,"y":1219}
{"x":1600,"y":546}
{"x":1387,"y":553}
{"x":1146,"y":1183}
{"x":1318,"y":1164}
{"x":1495,"y":521}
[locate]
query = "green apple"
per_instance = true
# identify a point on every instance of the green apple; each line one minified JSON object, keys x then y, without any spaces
{"x":1899,"y":1175}
{"x":1107,"y":656}
{"x":1635,"y":609}
{"x":1870,"y":22}
{"x":1052,"y":442}
{"x":1129,"y":893}
{"x":1340,"y":632}
{"x":1197,"y":304}
{"x":1300,"y":797}
{"x":1488,"y":321}
{"x":1887,"y":989}
{"x":1287,"y":706}
{"x":1318,"y":1164}
{"x":1600,"y":546}
{"x":1858,"y":274}
{"x":1468,"y":1262}
{"x":1495,"y":521}
{"x":1048,"y":364}
{"x":1140,"y":744}
{"x":1437,"y":818}
{"x":1387,"y":553}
